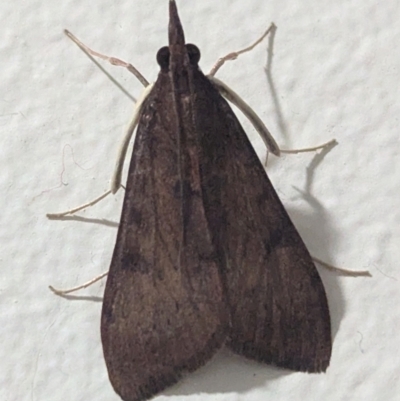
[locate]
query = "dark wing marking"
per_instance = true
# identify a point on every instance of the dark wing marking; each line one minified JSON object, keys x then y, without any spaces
{"x":278,"y":307}
{"x":162,"y":311}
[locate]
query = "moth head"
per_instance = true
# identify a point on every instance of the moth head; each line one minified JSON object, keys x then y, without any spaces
{"x":175,"y":31}
{"x":177,"y":50}
{"x":164,"y":55}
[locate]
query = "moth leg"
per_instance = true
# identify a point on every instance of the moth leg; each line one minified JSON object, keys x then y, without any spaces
{"x":116,"y":178}
{"x":233,"y":97}
{"x":112,"y":60}
{"x":79,"y":287}
{"x":234,"y":55}
{"x":257,"y":123}
{"x":53,"y":216}
{"x":328,"y":144}
{"x":251,"y":115}
{"x":351,"y":273}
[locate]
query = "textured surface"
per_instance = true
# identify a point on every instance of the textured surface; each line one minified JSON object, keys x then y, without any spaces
{"x":334,"y":74}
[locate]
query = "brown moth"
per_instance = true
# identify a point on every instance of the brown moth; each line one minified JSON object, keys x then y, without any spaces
{"x":206,"y":254}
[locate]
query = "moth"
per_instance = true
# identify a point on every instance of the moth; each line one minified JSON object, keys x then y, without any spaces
{"x":206,"y":255}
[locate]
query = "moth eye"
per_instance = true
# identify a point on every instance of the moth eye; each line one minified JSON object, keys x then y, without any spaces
{"x":163,"y":58}
{"x":193,"y":53}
